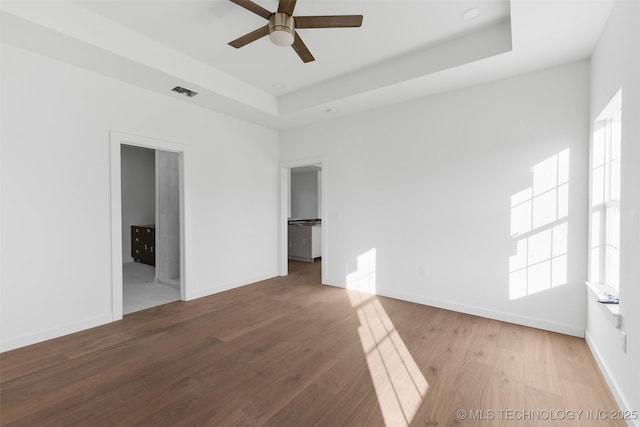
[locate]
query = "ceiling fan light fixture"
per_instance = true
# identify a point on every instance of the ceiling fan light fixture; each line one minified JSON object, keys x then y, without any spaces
{"x":281,"y":38}
{"x":281,"y":29}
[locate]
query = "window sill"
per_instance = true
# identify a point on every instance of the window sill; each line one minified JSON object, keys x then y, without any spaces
{"x":597,"y":291}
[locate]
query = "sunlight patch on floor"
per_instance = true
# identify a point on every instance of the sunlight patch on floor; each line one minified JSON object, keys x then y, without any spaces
{"x":399,"y":384}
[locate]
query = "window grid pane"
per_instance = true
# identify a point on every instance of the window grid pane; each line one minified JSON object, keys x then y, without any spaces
{"x":597,"y":183}
{"x":605,"y":196}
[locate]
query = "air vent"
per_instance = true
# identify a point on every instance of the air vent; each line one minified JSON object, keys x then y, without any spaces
{"x":184,"y":91}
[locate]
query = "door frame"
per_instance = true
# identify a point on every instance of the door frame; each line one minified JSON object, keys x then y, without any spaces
{"x":117,"y":139}
{"x":285,"y":190}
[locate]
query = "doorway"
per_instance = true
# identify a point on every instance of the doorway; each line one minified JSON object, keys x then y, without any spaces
{"x":147,"y":177}
{"x":150,"y":227}
{"x":303,"y":228}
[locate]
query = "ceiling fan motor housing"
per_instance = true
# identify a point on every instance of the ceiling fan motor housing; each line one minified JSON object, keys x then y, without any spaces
{"x":281,"y":29}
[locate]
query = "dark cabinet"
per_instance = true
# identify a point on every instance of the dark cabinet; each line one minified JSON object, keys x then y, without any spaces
{"x":143,"y":242}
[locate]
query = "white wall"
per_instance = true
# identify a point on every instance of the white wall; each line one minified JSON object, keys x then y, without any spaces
{"x":56,"y":120}
{"x":615,"y":65}
{"x":419,"y":194}
{"x":168,"y":225}
{"x":304,"y":194}
{"x":138,"y":192}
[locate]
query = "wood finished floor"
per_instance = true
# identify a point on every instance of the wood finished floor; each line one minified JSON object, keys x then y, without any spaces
{"x":291,"y":352}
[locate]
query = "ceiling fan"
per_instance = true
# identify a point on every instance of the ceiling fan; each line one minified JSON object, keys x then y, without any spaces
{"x":282,"y":26}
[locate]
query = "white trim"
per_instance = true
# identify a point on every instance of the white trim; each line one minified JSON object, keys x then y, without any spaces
{"x":285,"y":210}
{"x":156,"y":210}
{"x":116,"y":229}
{"x":285,"y":168}
{"x":182,"y":217}
{"x":491,"y":314}
{"x":116,"y":140}
{"x":309,"y":161}
{"x":614,"y":104}
{"x":602,"y":122}
{"x":481,"y":312}
{"x":200,"y":293}
{"x":599,"y":290}
{"x":56,"y":332}
{"x":609,"y":379}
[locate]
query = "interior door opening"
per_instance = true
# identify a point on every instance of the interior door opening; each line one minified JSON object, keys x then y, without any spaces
{"x":147,"y":223}
{"x":303,"y":230}
{"x":150,"y":227}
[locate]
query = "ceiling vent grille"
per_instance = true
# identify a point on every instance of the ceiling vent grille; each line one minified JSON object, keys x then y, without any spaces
{"x":184,"y":91}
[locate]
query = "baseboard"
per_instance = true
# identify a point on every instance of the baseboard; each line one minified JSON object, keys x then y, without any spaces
{"x":482,"y":312}
{"x":170,"y":283}
{"x":228,"y":286}
{"x":56,"y":332}
{"x":624,"y":406}
{"x":126,"y":260}
{"x":491,"y":314}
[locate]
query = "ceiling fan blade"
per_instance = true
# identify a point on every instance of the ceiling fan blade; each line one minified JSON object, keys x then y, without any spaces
{"x":250,"y":37}
{"x":328,"y":21}
{"x":255,"y":8}
{"x":286,"y":6}
{"x":302,"y":50}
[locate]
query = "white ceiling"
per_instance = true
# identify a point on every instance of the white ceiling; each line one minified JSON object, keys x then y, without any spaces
{"x":202,"y":30}
{"x":404,"y":49}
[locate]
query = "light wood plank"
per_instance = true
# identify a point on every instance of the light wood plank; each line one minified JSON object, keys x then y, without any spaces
{"x":289,"y":351}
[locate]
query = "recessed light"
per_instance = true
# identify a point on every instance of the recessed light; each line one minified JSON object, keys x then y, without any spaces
{"x":330,"y":110}
{"x":470,"y":14}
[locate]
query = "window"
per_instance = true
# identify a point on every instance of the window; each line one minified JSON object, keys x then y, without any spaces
{"x":605,"y":197}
